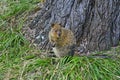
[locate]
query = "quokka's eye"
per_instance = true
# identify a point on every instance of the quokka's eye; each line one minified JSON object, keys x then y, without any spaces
{"x":55,"y":30}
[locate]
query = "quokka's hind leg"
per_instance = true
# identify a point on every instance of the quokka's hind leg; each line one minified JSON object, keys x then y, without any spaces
{"x":72,"y":50}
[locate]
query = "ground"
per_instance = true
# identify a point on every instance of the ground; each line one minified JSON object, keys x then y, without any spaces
{"x":20,"y":59}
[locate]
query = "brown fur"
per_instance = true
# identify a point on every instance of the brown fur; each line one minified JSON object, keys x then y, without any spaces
{"x":62,"y":39}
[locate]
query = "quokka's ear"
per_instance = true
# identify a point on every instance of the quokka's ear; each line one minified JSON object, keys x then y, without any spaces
{"x":52,"y":25}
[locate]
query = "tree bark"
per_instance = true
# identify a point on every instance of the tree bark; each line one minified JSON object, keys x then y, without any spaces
{"x":95,"y":23}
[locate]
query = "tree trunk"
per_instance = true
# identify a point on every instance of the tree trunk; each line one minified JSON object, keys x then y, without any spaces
{"x":95,"y":23}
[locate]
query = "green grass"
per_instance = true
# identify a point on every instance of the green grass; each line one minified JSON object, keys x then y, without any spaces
{"x":13,"y":8}
{"x":18,"y":59}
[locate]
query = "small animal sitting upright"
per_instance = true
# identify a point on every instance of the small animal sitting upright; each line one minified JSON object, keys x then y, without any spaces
{"x":63,"y":40}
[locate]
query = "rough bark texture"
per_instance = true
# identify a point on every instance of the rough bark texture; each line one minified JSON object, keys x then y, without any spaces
{"x":95,"y":23}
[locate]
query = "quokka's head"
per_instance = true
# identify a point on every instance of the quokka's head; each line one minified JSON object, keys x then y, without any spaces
{"x":56,"y":30}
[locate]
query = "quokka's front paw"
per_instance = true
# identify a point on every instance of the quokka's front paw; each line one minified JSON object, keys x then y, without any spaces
{"x":53,"y":45}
